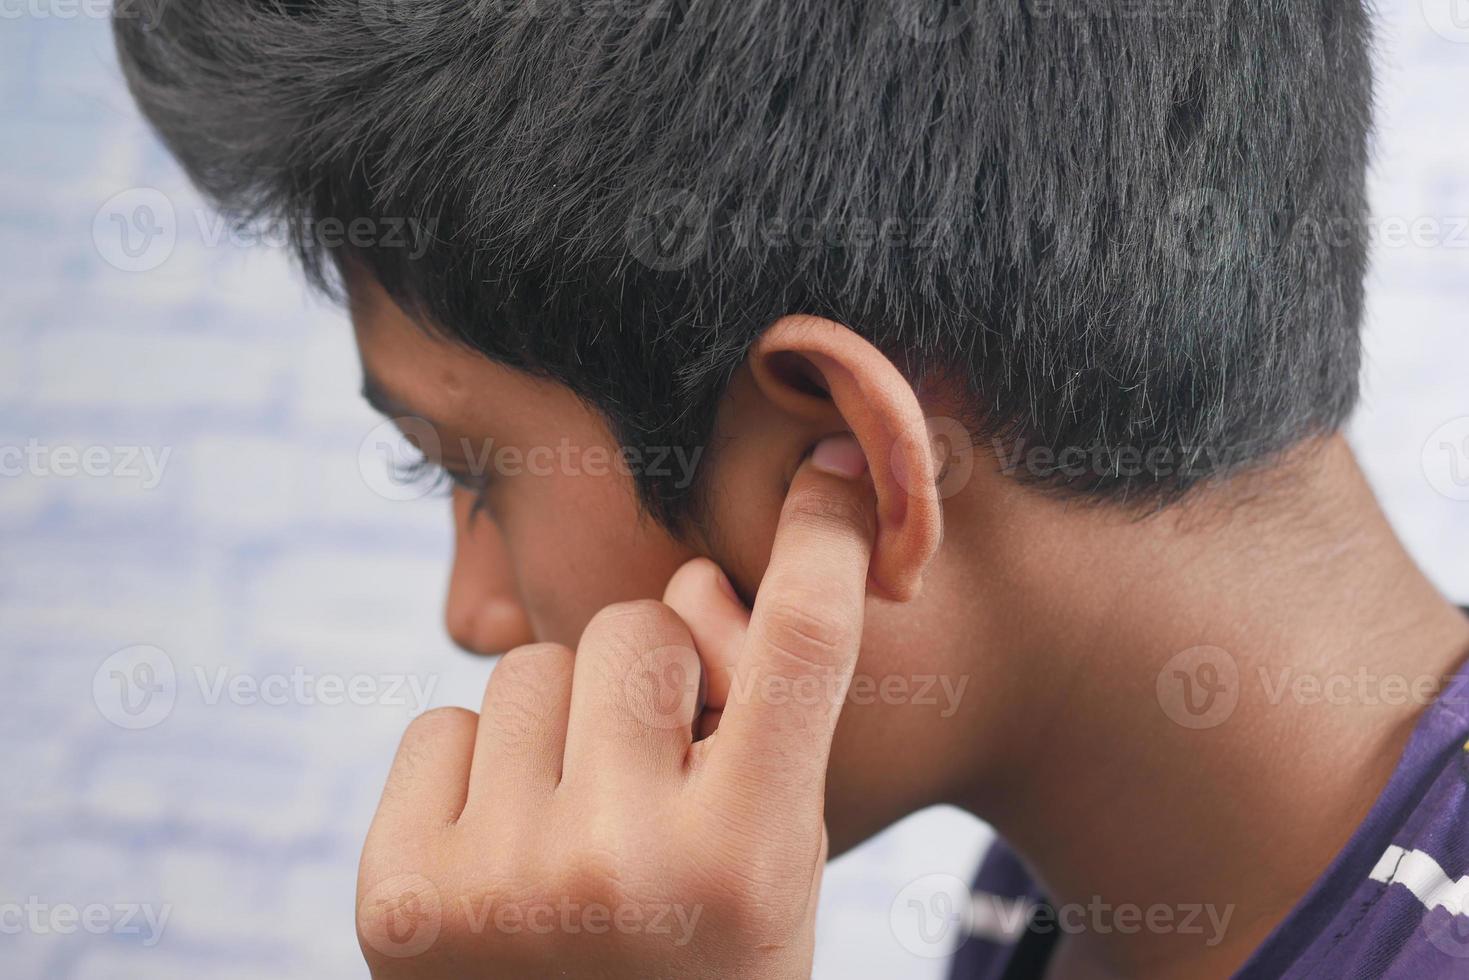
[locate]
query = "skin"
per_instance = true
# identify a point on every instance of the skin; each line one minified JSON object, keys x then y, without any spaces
{"x":1040,"y":625}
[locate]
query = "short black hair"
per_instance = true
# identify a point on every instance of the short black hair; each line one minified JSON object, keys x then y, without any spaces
{"x":1128,"y":227}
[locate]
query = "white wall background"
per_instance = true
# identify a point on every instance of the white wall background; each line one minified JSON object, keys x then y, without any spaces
{"x":263,"y":550}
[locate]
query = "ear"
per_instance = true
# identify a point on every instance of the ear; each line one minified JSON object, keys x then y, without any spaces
{"x":826,"y":379}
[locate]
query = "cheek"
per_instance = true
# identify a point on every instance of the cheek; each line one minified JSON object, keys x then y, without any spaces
{"x":578,"y":544}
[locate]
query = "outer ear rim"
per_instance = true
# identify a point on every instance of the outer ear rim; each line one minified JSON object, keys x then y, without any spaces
{"x":881,"y":409}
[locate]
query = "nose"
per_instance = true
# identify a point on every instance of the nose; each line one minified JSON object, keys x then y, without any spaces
{"x":483,"y":613}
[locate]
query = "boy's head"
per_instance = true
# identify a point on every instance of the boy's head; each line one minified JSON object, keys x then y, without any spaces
{"x":1116,"y":246}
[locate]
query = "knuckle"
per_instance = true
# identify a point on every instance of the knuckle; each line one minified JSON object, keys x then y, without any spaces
{"x":631,"y":612}
{"x":535,"y":667}
{"x":435,"y":724}
{"x":828,"y":511}
{"x":634,"y":622}
{"x":425,"y":737}
{"x":593,"y":874}
{"x":662,"y":687}
{"x":808,"y":634}
{"x":514,"y":719}
{"x":746,"y":907}
{"x":756,"y":919}
{"x":624,"y":632}
{"x":524,"y":688}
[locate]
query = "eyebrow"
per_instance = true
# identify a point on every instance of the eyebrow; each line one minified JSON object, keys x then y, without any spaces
{"x":385,"y":402}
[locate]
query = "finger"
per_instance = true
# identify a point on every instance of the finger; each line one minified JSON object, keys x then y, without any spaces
{"x":634,"y":694}
{"x":427,"y":783}
{"x":805,"y":630}
{"x":522,"y":728}
{"x":703,"y":598}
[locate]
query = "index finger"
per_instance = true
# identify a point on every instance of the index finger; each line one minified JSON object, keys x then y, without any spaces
{"x":805,"y":631}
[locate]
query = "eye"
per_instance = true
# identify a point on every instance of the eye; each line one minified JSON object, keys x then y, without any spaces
{"x":421,"y":472}
{"x":441,"y":480}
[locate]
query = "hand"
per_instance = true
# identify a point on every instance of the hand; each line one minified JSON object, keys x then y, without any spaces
{"x":575,"y":828}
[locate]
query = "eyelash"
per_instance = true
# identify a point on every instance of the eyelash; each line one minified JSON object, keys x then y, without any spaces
{"x":442,"y":481}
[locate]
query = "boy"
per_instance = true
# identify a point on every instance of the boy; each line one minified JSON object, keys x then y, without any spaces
{"x":1006,"y":346}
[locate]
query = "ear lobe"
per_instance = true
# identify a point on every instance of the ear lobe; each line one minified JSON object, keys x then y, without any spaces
{"x":825,"y":374}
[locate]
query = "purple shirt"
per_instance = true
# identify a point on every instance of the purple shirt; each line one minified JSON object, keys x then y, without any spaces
{"x":1394,"y":902}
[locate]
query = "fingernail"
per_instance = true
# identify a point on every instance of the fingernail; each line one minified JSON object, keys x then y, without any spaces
{"x":840,"y":455}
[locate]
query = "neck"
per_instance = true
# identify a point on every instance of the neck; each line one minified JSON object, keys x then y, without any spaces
{"x":1131,"y":779}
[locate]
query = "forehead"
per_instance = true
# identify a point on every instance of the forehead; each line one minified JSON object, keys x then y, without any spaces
{"x":389,"y":342}
{"x":410,"y":370}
